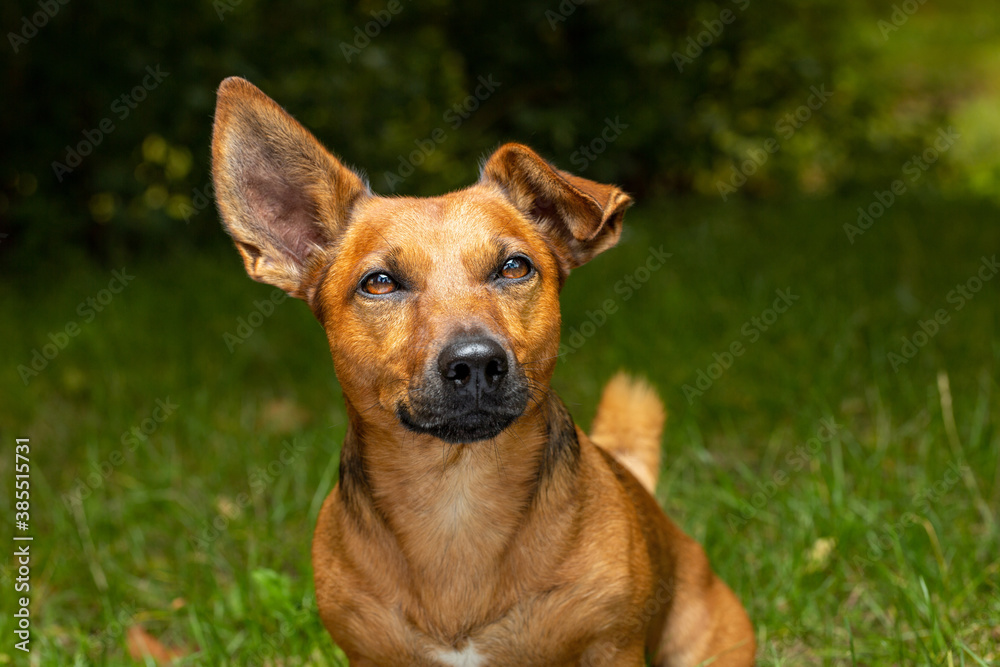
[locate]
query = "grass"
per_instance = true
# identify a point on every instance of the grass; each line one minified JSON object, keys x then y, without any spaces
{"x":856,"y":543}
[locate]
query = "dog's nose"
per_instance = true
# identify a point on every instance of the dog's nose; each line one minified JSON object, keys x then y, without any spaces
{"x":473,"y":365}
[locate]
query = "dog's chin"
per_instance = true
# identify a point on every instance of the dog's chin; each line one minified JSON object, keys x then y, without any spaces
{"x":471,"y":426}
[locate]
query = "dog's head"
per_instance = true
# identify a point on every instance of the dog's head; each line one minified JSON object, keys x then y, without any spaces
{"x":442,"y":313}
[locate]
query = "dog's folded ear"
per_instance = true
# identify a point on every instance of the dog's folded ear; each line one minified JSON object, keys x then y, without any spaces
{"x":282,"y":196}
{"x":582,"y":218}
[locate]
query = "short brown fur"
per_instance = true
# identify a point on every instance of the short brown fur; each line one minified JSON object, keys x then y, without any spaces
{"x":534,"y":546}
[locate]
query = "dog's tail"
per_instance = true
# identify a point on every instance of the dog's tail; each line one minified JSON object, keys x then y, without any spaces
{"x":628,"y":425}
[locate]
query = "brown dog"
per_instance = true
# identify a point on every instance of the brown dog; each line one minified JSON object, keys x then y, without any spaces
{"x":473,"y":523}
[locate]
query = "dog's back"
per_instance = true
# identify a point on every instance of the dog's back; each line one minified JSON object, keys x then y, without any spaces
{"x":701,"y":617}
{"x":628,"y":425}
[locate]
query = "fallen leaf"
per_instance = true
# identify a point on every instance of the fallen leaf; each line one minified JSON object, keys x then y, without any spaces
{"x":142,"y":645}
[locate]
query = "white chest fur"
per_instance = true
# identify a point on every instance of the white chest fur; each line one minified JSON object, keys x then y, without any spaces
{"x":467,"y":657}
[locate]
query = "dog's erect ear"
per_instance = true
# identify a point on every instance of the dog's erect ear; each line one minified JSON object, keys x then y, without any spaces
{"x":581,"y":217}
{"x":282,"y":196}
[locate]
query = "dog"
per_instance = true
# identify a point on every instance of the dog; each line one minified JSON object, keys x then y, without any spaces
{"x":473,"y":523}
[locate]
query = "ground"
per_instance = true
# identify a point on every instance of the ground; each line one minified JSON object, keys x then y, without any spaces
{"x":832,"y":438}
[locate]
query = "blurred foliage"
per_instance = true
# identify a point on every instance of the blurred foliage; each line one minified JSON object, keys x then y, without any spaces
{"x":694,"y":88}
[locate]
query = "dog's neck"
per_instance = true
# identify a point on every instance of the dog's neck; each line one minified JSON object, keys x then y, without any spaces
{"x":453,"y":516}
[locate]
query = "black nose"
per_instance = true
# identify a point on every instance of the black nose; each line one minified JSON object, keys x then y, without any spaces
{"x":473,"y":365}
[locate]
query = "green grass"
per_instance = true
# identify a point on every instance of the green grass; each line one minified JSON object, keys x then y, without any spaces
{"x":862,"y":548}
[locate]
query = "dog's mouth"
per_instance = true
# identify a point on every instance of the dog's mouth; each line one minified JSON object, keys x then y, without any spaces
{"x":468,"y":426}
{"x":472,"y":390}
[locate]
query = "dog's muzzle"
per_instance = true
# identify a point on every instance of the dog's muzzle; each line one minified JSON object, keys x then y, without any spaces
{"x":473,"y":392}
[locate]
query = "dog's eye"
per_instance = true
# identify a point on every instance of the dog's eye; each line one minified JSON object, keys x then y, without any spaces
{"x":379,"y":283}
{"x":515,"y":267}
